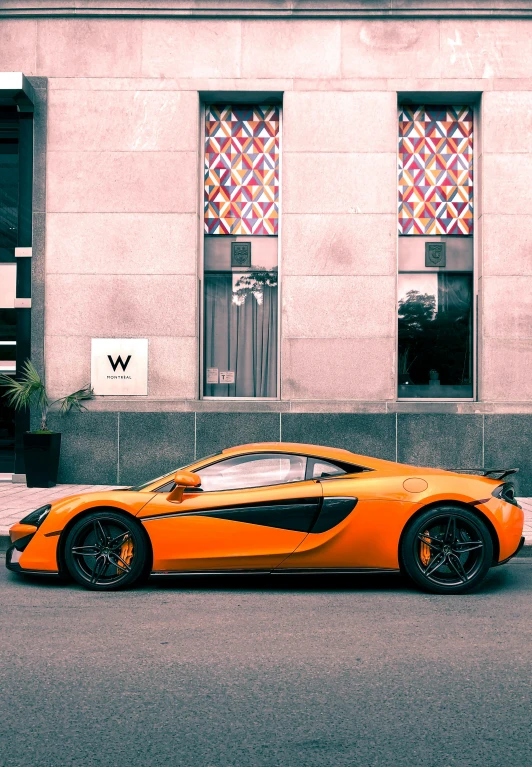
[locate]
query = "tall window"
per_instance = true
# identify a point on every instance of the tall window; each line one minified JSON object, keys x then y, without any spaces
{"x":435,"y":284}
{"x":240,"y":250}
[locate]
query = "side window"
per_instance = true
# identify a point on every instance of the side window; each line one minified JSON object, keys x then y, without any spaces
{"x":325,"y":469}
{"x":259,"y":470}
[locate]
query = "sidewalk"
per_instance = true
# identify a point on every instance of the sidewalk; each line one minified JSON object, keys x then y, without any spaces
{"x":18,"y":500}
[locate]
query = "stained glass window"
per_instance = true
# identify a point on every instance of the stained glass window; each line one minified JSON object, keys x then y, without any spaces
{"x":436,"y":170}
{"x":242,"y":169}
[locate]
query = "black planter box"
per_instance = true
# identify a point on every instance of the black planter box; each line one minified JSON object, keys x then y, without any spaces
{"x":41,"y":458}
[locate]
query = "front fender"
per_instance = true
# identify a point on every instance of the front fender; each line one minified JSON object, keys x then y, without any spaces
{"x":41,"y":553}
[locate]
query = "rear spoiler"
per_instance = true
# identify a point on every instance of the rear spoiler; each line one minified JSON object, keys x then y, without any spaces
{"x":491,"y":473}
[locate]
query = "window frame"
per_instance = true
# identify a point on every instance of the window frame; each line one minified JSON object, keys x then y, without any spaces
{"x":169,"y":485}
{"x":201,"y":260}
{"x":255,"y":455}
{"x":474,"y":309}
{"x":432,"y":98}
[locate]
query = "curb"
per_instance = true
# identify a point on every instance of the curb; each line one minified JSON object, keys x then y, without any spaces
{"x":525,"y":553}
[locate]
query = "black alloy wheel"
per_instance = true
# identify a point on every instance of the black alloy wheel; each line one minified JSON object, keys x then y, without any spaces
{"x":447,"y":550}
{"x":106,"y":550}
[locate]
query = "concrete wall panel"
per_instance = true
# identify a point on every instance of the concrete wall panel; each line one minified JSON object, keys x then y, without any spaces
{"x":338,"y":307}
{"x":18,"y":46}
{"x":143,"y":182}
{"x":507,"y":245}
{"x":507,"y":307}
{"x":89,"y":47}
{"x":287,"y":48}
{"x":111,"y":306}
{"x":173,"y":367}
{"x":339,"y":183}
{"x":68,"y":364}
{"x":390,"y":49}
{"x":125,"y":121}
{"x":506,"y":183}
{"x":338,"y":369}
{"x":506,"y":369}
{"x":191,"y":48}
{"x":332,"y":244}
{"x":339,"y":122}
{"x":485,"y":48}
{"x":121,"y":243}
{"x":506,"y":121}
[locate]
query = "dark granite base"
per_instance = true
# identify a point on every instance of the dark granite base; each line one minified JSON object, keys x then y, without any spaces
{"x":89,"y":447}
{"x":441,"y":440}
{"x":366,"y":434}
{"x":128,"y":448}
{"x":152,"y":444}
{"x":215,"y":431}
{"x":508,"y":442}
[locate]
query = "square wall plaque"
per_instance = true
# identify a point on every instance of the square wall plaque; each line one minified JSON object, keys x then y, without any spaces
{"x":241,"y":254}
{"x":435,"y":254}
{"x":119,"y":366}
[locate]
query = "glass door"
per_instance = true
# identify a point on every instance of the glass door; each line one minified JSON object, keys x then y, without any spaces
{"x":9,"y":234}
{"x":8,"y":346}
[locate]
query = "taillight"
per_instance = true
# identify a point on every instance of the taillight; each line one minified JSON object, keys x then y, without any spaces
{"x":507,"y":493}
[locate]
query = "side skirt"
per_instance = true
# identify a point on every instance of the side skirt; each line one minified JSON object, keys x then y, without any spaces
{"x":334,"y":571}
{"x":177,"y":573}
{"x":286,"y":571}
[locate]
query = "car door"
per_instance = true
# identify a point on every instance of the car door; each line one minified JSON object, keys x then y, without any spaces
{"x":250,"y":512}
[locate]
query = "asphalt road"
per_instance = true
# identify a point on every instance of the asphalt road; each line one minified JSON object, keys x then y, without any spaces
{"x":305,"y":672}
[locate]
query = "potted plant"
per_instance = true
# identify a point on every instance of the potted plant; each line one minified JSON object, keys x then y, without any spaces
{"x":42,"y":445}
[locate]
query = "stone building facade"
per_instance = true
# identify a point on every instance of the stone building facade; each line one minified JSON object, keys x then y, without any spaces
{"x":130,"y":215}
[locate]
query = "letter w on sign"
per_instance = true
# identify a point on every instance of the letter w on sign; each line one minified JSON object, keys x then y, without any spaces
{"x":118,"y":362}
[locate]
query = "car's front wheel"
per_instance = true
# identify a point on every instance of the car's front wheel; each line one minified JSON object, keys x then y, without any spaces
{"x":447,"y":550}
{"x":106,"y":550}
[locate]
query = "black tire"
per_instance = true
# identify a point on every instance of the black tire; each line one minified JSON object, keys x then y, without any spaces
{"x":106,"y":550}
{"x":446,"y":550}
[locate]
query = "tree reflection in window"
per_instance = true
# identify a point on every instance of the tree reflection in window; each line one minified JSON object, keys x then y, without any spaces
{"x":435,"y":336}
{"x":253,"y":284}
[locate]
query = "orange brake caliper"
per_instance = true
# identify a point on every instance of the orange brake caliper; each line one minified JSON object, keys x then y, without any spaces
{"x":126,"y":553}
{"x":424,"y":552}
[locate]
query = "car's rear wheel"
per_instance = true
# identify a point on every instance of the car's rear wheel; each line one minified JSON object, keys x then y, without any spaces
{"x":447,"y":550}
{"x":106,"y":550}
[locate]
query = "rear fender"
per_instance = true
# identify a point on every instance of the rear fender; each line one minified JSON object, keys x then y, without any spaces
{"x":459,"y":504}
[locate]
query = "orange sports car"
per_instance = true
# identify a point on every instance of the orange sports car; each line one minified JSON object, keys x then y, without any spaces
{"x":280,"y":508}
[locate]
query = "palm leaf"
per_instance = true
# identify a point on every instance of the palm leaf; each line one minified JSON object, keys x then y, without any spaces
{"x":28,"y":388}
{"x":75,"y":400}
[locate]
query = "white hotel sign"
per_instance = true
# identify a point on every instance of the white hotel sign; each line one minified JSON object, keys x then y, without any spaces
{"x":119,"y":366}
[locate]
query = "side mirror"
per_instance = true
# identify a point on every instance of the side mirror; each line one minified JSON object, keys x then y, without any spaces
{"x":182,"y":480}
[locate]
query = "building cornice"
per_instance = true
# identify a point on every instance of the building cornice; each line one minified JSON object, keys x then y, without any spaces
{"x":274,"y":9}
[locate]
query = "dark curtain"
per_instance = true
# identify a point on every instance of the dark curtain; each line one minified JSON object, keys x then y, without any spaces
{"x":454,"y":294}
{"x":240,"y":338}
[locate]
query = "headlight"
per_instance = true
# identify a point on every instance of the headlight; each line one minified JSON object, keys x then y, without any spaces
{"x":36,"y":517}
{"x":507,"y":493}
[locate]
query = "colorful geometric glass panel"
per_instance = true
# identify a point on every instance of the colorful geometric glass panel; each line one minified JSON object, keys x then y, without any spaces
{"x":436,"y":170}
{"x":242,"y":169}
